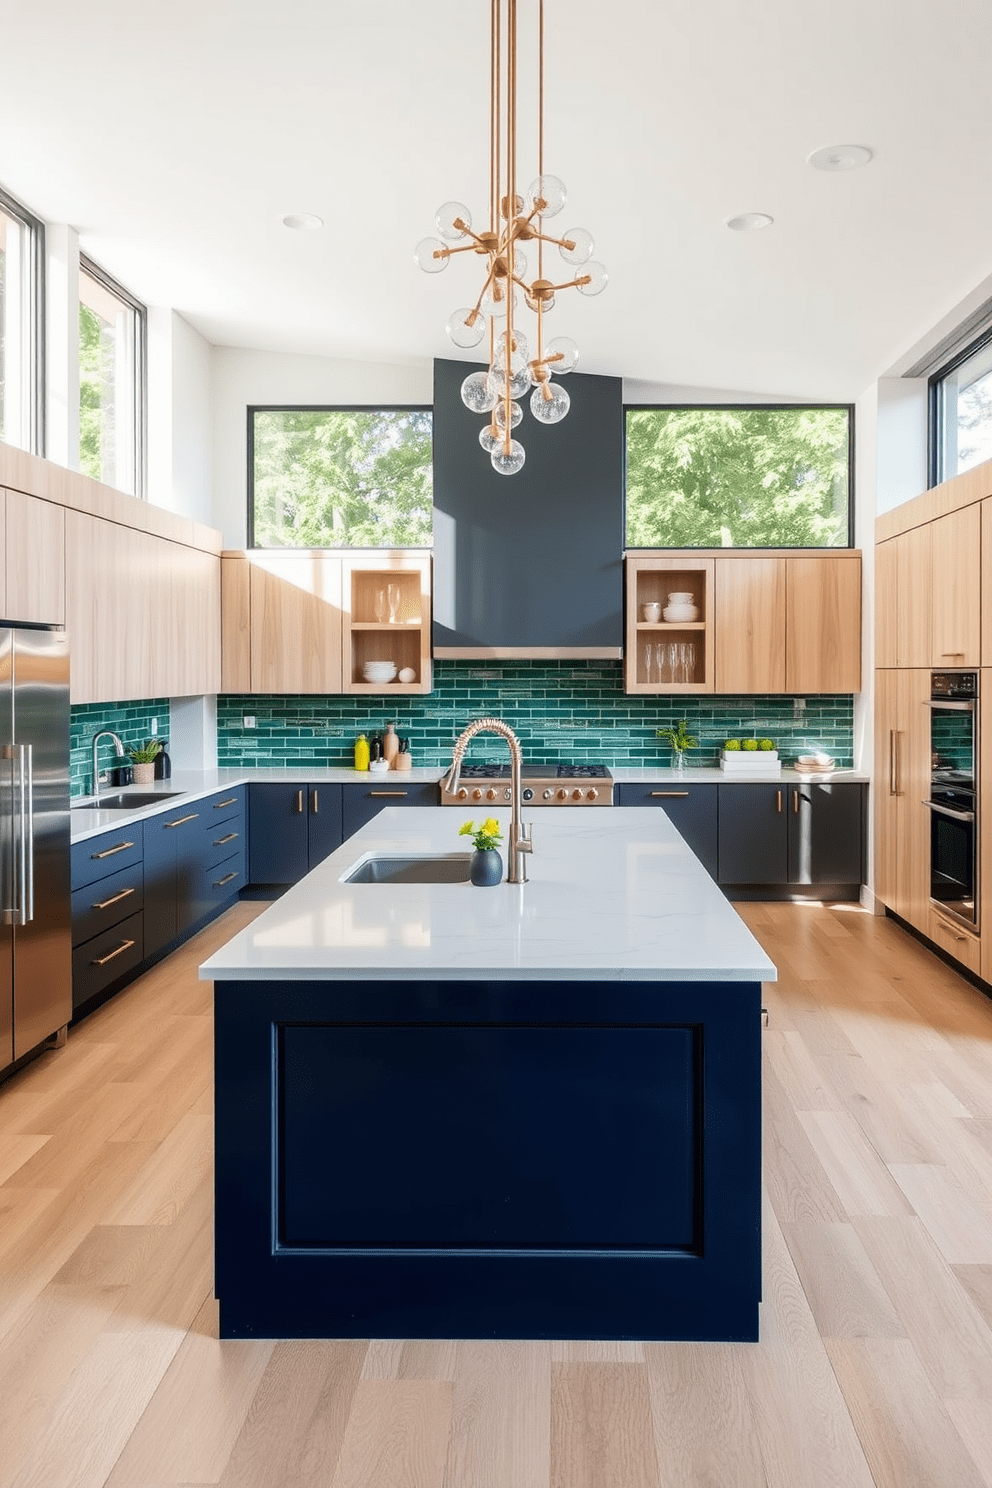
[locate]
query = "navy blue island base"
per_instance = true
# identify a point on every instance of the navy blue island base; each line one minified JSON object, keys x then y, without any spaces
{"x":488,"y":1159}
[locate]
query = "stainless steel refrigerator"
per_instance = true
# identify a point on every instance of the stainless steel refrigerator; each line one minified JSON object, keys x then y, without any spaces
{"x":35,"y":934}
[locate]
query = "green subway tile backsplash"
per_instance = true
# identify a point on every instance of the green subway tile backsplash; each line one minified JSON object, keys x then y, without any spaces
{"x":132,"y":722}
{"x":560,"y":710}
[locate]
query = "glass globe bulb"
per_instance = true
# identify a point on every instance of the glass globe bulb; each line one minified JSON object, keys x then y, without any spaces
{"x":518,"y":355}
{"x":549,"y":189}
{"x":423,"y":255}
{"x":519,"y":262}
{"x":508,"y":464}
{"x":549,"y":410}
{"x":569,"y":355}
{"x":519,"y":382}
{"x":583,"y":245}
{"x":444,"y":220}
{"x":476,"y":393}
{"x":539,"y":307}
{"x":497,"y":307}
{"x":598,"y":279}
{"x":488,"y":439}
{"x":516,"y":414}
{"x":461,"y":331}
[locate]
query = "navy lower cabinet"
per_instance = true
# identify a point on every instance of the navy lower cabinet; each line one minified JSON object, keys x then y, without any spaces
{"x":791,"y":837}
{"x":691,"y":808}
{"x":293,"y":827}
{"x":360,"y":803}
{"x":173,"y":859}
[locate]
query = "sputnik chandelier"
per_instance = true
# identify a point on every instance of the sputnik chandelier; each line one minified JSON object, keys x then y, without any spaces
{"x":513,"y":221}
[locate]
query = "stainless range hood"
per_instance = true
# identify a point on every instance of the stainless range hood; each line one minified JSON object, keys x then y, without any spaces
{"x":529,"y":565}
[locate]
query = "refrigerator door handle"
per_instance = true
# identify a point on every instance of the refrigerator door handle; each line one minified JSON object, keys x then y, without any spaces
{"x":8,"y":869}
{"x":27,"y":828}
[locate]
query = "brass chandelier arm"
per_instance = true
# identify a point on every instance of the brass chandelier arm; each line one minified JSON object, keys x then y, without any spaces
{"x":574,"y":283}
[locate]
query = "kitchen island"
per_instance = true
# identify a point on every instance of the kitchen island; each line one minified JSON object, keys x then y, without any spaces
{"x":524,"y":1111}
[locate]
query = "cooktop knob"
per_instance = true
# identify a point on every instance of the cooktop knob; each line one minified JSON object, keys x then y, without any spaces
{"x":576,"y":795}
{"x":548,"y":795}
{"x":477,"y":794}
{"x":528,"y":794}
{"x":563,"y":795}
{"x":462,"y":794}
{"x":492,"y":793}
{"x":591,"y":795}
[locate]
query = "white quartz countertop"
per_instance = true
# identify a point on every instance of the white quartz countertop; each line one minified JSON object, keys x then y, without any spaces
{"x":612,"y":896}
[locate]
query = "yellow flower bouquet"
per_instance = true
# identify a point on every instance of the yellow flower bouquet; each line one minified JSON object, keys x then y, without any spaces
{"x":487,"y":837}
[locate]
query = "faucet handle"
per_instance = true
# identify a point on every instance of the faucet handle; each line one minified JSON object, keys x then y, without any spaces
{"x":525,"y":841}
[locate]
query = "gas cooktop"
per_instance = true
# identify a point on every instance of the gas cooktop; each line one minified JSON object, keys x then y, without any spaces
{"x":552,"y":784}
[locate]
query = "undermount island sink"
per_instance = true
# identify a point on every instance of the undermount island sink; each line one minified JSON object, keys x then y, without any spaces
{"x":394,"y":868}
{"x":126,"y":801}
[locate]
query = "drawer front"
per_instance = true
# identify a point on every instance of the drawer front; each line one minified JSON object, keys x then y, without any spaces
{"x":956,"y":942}
{"x":99,"y":857}
{"x":98,"y":962}
{"x":224,"y":839}
{"x":691,"y":808}
{"x":225,"y":880}
{"x":360,"y":803}
{"x":100,"y":905}
{"x":222,"y":806}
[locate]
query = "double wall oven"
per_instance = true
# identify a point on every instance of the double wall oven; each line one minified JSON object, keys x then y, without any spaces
{"x":954,"y":796}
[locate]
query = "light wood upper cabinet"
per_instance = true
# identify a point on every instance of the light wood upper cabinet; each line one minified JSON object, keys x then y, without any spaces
{"x":956,"y":588}
{"x":295,"y":602}
{"x":235,"y":628}
{"x":902,"y":600}
{"x":386,"y":604}
{"x":823,"y":624}
{"x":749,"y":642}
{"x":32,"y":586}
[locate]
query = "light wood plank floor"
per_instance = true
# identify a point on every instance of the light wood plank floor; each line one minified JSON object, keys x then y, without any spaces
{"x":875,"y":1362}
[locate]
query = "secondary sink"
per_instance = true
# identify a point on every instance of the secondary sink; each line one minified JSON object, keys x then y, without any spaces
{"x":123,"y":801}
{"x":392,"y":868}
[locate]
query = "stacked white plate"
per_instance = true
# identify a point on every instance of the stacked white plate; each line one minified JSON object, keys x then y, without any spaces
{"x":754,"y":763}
{"x":379,"y":671}
{"x":817,"y":763}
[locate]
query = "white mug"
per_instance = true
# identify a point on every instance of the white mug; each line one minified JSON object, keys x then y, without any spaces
{"x":651,"y":612}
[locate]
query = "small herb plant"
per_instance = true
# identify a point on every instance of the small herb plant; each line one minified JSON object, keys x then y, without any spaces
{"x":766,"y":744}
{"x":144,"y":754}
{"x":487,"y":837}
{"x":732,"y":746}
{"x":678,"y":736}
{"x":750,"y":745}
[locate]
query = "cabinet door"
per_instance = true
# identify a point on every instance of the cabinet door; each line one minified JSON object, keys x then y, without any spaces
{"x":323,"y":822}
{"x":295,"y":623}
{"x":956,"y":588}
{"x":34,"y":560}
{"x":186,"y":645}
{"x":826,"y":833}
{"x":913,"y":598}
{"x":161,"y":923}
{"x":235,"y":590}
{"x":823,"y":624}
{"x":885,"y":790}
{"x":902,"y":776}
{"x":749,"y":644}
{"x":360,"y":803}
{"x":278,"y":848}
{"x":753,"y":836}
{"x":886,"y":604}
{"x":692,"y":810}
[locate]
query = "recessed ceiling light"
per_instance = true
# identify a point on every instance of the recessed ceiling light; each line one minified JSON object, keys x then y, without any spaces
{"x":840,"y":157}
{"x":300,"y":221}
{"x":749,"y":221}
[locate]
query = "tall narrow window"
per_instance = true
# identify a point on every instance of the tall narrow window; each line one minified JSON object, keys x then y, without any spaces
{"x":21,"y":247}
{"x":961,"y":412}
{"x":111,"y":381}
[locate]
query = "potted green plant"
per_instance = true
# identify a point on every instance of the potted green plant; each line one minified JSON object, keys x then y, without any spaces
{"x":486,"y":869}
{"x":143,"y":757}
{"x":680,"y":739}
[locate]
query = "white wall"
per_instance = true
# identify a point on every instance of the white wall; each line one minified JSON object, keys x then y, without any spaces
{"x":180,"y":434}
{"x":243,"y":378}
{"x":901,"y":460}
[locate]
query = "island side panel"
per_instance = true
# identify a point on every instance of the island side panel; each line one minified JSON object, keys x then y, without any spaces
{"x":488,"y":1159}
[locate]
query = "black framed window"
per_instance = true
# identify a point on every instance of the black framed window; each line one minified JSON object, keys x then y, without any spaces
{"x":22,"y":258}
{"x":961,"y":411}
{"x":339,"y":477}
{"x":112,"y":381}
{"x":741,"y":476}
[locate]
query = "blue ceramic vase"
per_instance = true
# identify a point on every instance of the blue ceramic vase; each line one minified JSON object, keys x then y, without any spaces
{"x":486,"y":869}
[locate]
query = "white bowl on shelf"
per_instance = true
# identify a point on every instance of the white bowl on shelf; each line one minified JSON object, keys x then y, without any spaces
{"x":680,"y":613}
{"x":379,"y":671}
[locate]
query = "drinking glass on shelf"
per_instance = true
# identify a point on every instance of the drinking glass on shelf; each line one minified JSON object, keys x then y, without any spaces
{"x":394,"y":603}
{"x":649,"y":651}
{"x":379,"y":608}
{"x":673,"y":661}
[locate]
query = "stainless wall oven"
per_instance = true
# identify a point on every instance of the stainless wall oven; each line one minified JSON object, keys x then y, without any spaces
{"x":954,"y":795}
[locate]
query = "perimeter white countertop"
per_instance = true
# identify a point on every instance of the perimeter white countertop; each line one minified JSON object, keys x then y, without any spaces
{"x":612,"y":896}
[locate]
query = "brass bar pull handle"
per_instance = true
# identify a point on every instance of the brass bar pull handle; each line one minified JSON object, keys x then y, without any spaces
{"x":108,"y":852}
{"x":314,"y":802}
{"x":795,"y":802}
{"x":299,"y":802}
{"x":667,"y":795}
{"x":182,"y":820}
{"x":220,"y":882}
{"x":106,"y":903}
{"x":219,"y":841}
{"x":233,"y":801}
{"x":899,"y":762}
{"x":125,"y":945}
{"x":389,"y":794}
{"x":952,"y":653}
{"x":892,"y":762}
{"x":778,"y":802}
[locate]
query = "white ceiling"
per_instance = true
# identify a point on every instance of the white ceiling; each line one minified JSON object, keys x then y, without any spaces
{"x":176,"y":137}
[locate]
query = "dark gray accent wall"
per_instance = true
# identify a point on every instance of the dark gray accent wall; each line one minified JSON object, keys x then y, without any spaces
{"x":533,"y":559}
